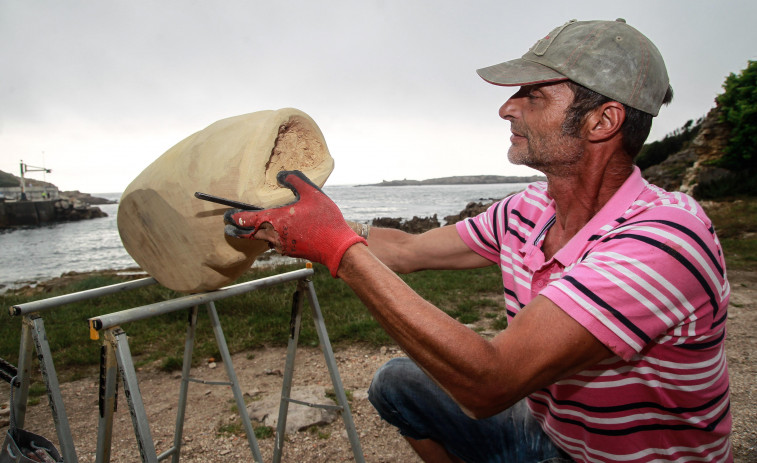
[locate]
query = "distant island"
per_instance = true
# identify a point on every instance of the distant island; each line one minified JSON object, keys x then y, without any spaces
{"x":461,"y":180}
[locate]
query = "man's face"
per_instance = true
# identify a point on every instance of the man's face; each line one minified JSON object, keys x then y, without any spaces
{"x":536,"y":114}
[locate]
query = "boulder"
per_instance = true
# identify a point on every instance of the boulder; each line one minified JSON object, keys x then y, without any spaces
{"x":299,"y":417}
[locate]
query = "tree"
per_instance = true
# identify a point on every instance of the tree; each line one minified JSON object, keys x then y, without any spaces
{"x":739,"y":111}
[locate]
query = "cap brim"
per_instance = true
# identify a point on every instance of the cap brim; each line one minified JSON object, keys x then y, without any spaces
{"x":519,"y":72}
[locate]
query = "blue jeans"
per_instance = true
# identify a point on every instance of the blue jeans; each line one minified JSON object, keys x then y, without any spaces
{"x":407,"y":398}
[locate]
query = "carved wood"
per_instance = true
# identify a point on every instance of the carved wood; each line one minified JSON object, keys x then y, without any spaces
{"x":179,"y":239}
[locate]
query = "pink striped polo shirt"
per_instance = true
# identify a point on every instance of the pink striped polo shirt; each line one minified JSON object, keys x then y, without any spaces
{"x":646,"y":276}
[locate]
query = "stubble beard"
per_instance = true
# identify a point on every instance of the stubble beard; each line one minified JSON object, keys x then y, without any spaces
{"x":549,"y":155}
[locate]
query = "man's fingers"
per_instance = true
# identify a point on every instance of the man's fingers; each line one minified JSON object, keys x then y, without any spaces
{"x":295,"y":181}
{"x":228,"y":216}
{"x":240,"y":218}
{"x":236,"y":232}
{"x":266,"y":232}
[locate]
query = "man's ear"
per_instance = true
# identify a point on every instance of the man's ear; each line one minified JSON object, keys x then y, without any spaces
{"x":605,"y":121}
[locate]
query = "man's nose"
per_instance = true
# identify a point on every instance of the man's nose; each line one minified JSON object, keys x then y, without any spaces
{"x":508,"y":110}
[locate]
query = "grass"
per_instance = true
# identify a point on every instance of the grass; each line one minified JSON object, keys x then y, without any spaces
{"x":171,"y":363}
{"x":331,"y":394}
{"x":319,"y":433}
{"x":736,"y":225}
{"x":261,"y":318}
{"x":230,"y":429}
{"x":36,"y":390}
{"x":264,"y":432}
{"x":235,"y":428}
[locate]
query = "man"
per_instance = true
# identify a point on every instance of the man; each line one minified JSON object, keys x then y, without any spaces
{"x":615,"y":289}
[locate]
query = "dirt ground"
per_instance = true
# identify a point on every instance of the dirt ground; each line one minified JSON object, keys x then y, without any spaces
{"x":211,"y":407}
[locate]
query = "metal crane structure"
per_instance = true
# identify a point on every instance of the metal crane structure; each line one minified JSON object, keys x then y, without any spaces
{"x":27,"y":168}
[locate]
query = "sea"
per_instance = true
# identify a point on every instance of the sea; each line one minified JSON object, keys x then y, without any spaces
{"x":34,"y":254}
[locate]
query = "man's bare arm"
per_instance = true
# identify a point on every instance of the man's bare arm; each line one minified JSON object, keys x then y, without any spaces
{"x":439,"y":248}
{"x":541,"y":345}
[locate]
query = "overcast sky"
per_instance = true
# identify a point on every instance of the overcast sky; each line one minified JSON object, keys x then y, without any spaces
{"x":97,"y":90}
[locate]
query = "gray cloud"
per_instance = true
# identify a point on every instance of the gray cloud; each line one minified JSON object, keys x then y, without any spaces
{"x":391,"y":83}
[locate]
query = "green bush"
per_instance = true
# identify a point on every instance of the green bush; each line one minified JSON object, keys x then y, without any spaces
{"x":741,"y":184}
{"x":739,"y":109}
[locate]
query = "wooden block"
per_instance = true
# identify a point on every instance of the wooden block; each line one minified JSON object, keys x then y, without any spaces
{"x":179,"y":239}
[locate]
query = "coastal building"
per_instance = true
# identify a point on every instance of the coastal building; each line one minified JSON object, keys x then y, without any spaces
{"x":33,"y":193}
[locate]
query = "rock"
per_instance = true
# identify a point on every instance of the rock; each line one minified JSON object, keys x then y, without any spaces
{"x":669,"y":173}
{"x":66,"y":210}
{"x":472,"y":209}
{"x":76,"y":195}
{"x":690,"y":170}
{"x":387,"y":222}
{"x":361,"y":394}
{"x":414,"y":225}
{"x":299,"y":417}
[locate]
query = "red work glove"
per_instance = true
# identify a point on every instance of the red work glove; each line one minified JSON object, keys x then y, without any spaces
{"x":312,"y":227}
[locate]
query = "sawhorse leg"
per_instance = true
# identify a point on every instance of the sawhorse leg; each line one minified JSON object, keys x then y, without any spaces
{"x":23,"y":377}
{"x":107,"y":401}
{"x":233,"y":382}
{"x":306,"y":286}
{"x":116,"y":339}
{"x":33,"y":334}
{"x":241,"y":405}
{"x":184,"y":387}
{"x":116,"y":352}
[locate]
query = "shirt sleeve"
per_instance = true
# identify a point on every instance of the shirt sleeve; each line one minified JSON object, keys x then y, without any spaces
{"x":477,"y":233}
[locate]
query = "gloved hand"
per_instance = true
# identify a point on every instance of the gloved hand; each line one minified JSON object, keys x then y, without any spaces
{"x":312,"y":227}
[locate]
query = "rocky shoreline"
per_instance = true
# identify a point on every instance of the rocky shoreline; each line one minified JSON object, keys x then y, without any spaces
{"x":85,"y":198}
{"x":423,"y":224}
{"x":70,"y":206}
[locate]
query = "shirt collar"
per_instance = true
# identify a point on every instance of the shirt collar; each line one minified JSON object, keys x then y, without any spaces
{"x":615,"y":208}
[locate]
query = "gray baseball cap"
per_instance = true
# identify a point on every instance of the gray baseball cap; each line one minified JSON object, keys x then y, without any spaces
{"x":609,"y":57}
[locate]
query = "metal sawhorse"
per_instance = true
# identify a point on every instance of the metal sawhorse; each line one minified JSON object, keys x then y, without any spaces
{"x":34,"y":337}
{"x":116,"y":360}
{"x":117,"y":355}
